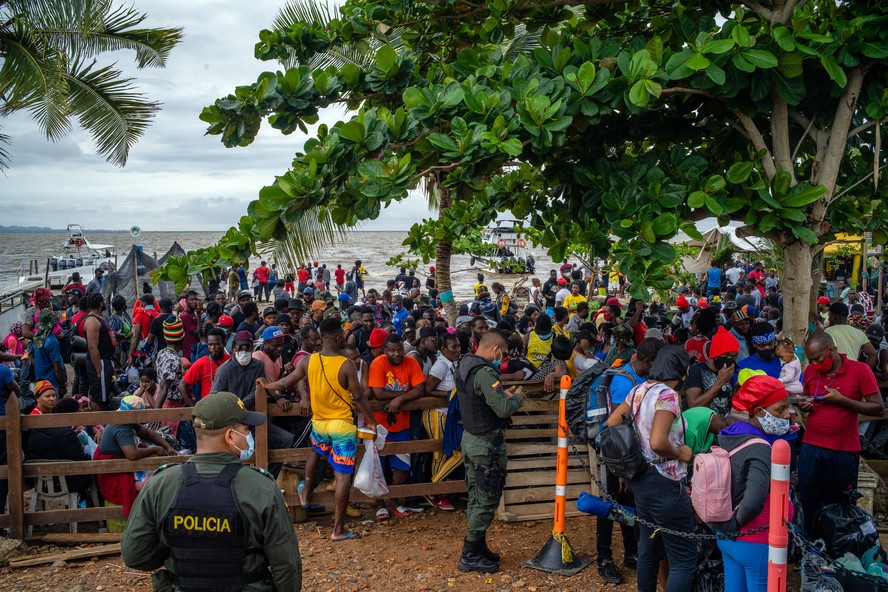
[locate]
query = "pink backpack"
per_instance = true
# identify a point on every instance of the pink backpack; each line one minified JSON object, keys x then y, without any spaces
{"x":711,"y":482}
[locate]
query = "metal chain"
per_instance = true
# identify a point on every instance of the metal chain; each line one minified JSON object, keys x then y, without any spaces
{"x":619,"y":507}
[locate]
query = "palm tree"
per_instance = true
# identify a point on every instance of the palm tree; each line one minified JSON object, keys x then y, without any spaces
{"x":48,"y":67}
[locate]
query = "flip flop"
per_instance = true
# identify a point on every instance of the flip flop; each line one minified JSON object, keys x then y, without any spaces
{"x":313,"y":508}
{"x":354,"y":535}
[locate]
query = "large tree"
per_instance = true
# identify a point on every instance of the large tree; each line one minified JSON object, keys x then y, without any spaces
{"x":632,"y":120}
{"x":48,"y":67}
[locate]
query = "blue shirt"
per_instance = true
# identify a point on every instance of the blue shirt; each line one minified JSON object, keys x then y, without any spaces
{"x":6,"y":378}
{"x":396,"y":320}
{"x":45,"y":358}
{"x":754,"y":362}
{"x":715,"y":277}
{"x":620,"y":386}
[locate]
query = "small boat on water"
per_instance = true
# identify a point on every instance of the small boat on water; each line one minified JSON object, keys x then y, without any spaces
{"x":78,"y":254}
{"x":504,"y":249}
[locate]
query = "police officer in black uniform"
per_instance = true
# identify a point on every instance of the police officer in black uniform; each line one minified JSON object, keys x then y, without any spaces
{"x":486,"y":409}
{"x":214,"y":523}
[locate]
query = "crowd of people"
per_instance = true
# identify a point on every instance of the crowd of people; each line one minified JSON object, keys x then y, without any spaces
{"x":714,"y":369}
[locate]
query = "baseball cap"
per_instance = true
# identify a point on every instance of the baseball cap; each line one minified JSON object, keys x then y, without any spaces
{"x":730,"y":305}
{"x":739,"y":316}
{"x":271,"y":333}
{"x":223,"y":409}
{"x":343,"y":297}
{"x":318,"y":305}
{"x":309,"y":291}
{"x":562,"y":281}
{"x":875,"y":332}
{"x":268,"y":310}
{"x":824,"y":300}
{"x":463,"y":319}
{"x":613,"y":301}
{"x":76,"y":291}
{"x":378,"y":337}
{"x":327,"y":296}
{"x":243,"y":337}
{"x":244,"y":294}
{"x":702,"y":303}
{"x":226,"y":321}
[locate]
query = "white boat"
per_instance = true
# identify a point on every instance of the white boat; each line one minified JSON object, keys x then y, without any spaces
{"x":76,"y":254}
{"x":505,"y":249}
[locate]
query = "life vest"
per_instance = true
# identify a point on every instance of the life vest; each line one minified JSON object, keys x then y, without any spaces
{"x":477,"y":416}
{"x":207,"y":533}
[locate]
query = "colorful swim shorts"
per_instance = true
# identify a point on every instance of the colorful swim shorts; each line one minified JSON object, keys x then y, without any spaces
{"x":335,"y":440}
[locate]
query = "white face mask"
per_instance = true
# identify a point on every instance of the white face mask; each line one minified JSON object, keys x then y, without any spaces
{"x":243,"y":357}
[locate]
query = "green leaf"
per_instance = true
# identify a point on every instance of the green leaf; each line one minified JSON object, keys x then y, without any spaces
{"x":804,"y":234}
{"x":697,"y":199}
{"x":647,"y":231}
{"x":353,"y":131}
{"x":740,"y":35}
{"x":716,"y":74}
{"x":697,"y":62}
{"x":783,"y":37}
{"x":664,"y":224}
{"x":512,"y":146}
{"x":816,"y":37}
{"x":638,"y":94}
{"x":714,"y":184}
{"x":790,"y":64}
{"x":386,"y":58}
{"x":713,"y":205}
{"x":739,"y":172}
{"x":718,"y":46}
{"x":834,"y":70}
{"x":802,"y":195}
{"x":760,"y":58}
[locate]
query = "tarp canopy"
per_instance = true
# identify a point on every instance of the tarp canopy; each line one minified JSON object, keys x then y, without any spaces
{"x":130,"y":279}
{"x":712,"y":235}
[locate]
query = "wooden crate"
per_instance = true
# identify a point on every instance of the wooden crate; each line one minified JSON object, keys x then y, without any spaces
{"x":531,"y":444}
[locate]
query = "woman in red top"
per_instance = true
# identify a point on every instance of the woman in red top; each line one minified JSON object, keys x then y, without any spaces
{"x":46,"y":397}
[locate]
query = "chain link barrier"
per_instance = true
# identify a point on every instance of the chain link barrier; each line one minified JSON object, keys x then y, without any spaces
{"x":656,"y":528}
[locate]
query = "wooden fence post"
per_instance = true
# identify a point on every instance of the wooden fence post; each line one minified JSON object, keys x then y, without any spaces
{"x":14,"y":466}
{"x":260,"y":457}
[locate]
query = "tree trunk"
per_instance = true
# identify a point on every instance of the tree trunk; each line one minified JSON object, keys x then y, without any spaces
{"x":443,"y":253}
{"x":797,"y":261}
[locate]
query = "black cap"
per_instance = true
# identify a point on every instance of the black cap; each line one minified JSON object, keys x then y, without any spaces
{"x":875,"y":332}
{"x":427,"y":332}
{"x":297,"y":304}
{"x":268,"y":310}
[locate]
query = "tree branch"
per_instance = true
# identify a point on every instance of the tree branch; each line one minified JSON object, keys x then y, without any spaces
{"x":865,"y":126}
{"x":518,"y":8}
{"x":675,"y":90}
{"x":804,"y":135}
{"x":758,"y":142}
{"x":858,"y":182}
{"x":780,"y":136}
{"x":803,"y":122}
{"x":759,"y":9}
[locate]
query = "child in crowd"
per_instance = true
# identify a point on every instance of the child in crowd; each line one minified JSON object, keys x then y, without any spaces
{"x":791,"y":367}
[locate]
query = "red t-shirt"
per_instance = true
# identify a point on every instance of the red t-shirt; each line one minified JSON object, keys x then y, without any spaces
{"x":638,"y":332}
{"x":143,"y":318}
{"x":694,"y":347}
{"x":204,"y":371}
{"x":831,"y":426}
{"x":262,"y":274}
{"x":302,"y":274}
{"x":75,"y":319}
{"x":402,"y":377}
{"x":189,"y":324}
{"x":340,"y":275}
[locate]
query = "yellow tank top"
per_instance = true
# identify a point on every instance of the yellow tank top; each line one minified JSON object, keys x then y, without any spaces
{"x":323,"y":384}
{"x":537,"y":349}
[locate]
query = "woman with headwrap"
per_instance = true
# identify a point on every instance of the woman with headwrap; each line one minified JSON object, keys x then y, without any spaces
{"x":45,"y":394}
{"x":119,"y":442}
{"x":661,"y":495}
{"x":766,"y":402}
{"x":13,"y":343}
{"x":48,"y":362}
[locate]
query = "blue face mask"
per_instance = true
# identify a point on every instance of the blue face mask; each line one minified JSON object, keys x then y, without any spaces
{"x":251,"y":445}
{"x":544,"y":337}
{"x":497,"y":361}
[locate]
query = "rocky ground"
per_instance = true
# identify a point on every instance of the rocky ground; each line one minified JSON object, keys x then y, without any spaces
{"x":415,"y":553}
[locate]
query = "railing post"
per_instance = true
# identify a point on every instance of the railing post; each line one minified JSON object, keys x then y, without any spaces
{"x":778,"y":536}
{"x":14,"y":468}
{"x":260,"y":457}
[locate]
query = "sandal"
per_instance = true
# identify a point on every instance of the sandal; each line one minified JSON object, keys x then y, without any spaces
{"x":354,"y":535}
{"x":382,"y":514}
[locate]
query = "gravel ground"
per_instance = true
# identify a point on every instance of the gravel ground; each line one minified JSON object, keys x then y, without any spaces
{"x":414,"y":553}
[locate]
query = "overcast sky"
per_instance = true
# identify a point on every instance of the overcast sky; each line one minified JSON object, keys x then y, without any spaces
{"x":176,"y":177}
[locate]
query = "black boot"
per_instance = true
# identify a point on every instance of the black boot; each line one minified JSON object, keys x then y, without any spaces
{"x":486,"y":552}
{"x":473,"y":560}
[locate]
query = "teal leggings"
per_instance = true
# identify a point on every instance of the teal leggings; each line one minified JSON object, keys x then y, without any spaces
{"x":746,"y":566}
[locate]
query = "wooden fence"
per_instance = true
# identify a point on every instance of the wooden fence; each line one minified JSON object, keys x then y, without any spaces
{"x":16,"y":471}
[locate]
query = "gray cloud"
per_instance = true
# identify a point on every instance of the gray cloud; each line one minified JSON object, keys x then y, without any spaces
{"x":176,"y":176}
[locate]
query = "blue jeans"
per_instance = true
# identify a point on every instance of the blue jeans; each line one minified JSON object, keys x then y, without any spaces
{"x":746,"y":566}
{"x":665,"y":503}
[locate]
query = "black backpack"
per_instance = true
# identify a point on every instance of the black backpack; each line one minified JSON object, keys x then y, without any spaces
{"x":586,"y":423}
{"x":619,"y":448}
{"x":71,"y":343}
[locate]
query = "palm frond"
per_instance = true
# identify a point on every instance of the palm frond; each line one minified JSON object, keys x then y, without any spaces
{"x":33,"y":77}
{"x":305,"y":11}
{"x":87,"y":28}
{"x":523,"y":42}
{"x":109,"y":109}
{"x":306,"y":239}
{"x":4,"y":153}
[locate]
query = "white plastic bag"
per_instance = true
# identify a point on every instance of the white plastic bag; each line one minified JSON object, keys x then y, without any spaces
{"x":369,"y":478}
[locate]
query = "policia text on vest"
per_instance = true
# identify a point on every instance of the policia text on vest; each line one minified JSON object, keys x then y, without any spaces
{"x":213,"y":524}
{"x":486,"y":409}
